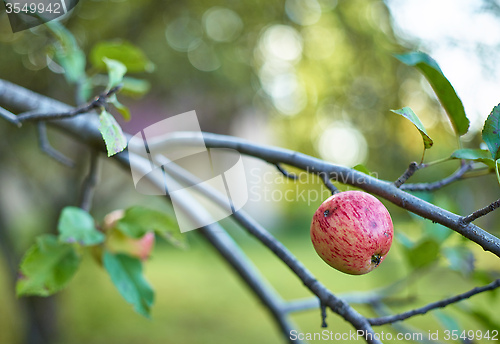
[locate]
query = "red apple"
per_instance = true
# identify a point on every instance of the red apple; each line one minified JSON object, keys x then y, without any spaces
{"x":352,"y":231}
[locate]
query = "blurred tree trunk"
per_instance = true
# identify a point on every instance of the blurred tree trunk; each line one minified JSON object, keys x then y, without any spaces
{"x":39,"y":313}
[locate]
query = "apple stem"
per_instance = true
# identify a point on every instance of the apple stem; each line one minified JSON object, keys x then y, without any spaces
{"x":286,"y":173}
{"x":326,"y":180}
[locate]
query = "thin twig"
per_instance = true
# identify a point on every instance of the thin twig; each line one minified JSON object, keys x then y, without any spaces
{"x":458,"y":174}
{"x":322,"y":306}
{"x":286,"y":173}
{"x":99,"y":101}
{"x":415,"y":335}
{"x":90,"y":182}
{"x":44,"y":144}
{"x":439,"y":304}
{"x":326,"y":180}
{"x":412,"y":168}
{"x":9,"y":116}
{"x":481,"y":212}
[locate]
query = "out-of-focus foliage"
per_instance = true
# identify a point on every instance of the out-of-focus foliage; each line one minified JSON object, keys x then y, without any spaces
{"x":315,"y":76}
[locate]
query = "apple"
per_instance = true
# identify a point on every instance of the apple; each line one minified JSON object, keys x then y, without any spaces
{"x":352,"y":231}
{"x":118,"y":242}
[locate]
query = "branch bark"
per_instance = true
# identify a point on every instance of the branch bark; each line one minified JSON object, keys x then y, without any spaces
{"x":439,"y":304}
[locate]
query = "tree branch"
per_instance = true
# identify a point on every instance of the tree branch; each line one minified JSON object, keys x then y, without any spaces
{"x":44,"y":144}
{"x":286,"y":173}
{"x":458,"y":174}
{"x":98,"y":102}
{"x":90,"y":182}
{"x":329,"y":185}
{"x":9,"y":116}
{"x":412,"y":168}
{"x":416,"y":335}
{"x":439,"y":304}
{"x":343,"y":175}
{"x":481,"y":212}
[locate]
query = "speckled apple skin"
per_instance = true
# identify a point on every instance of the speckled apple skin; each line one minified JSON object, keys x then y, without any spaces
{"x":352,"y":231}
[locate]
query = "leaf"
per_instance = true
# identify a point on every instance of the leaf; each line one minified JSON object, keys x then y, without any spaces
{"x":436,"y":231}
{"x":128,"y":54}
{"x":497,"y":165}
{"x":67,"y":53}
{"x":404,"y":240}
{"x":362,"y":168}
{"x":111,"y":133}
{"x":423,"y":254}
{"x":133,"y":87}
{"x":76,"y":225}
{"x":408,"y":113}
{"x":122,"y":109}
{"x":137,"y":221}
{"x":478,"y":155}
{"x":441,"y":86}
{"x":480,"y":315}
{"x":47,"y":267}
{"x":447,"y":321}
{"x":461,"y":259}
{"x":126,"y":275}
{"x":491,"y":132}
{"x":116,"y":71}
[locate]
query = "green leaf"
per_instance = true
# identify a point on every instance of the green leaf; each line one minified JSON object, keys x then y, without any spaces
{"x":423,"y":254}
{"x":441,"y":86}
{"x":67,"y":53}
{"x":362,"y":168}
{"x":408,"y":113}
{"x":76,"y":225}
{"x":478,"y":155}
{"x":404,"y":240}
{"x":122,"y":109}
{"x":128,"y":54}
{"x":116,"y":71}
{"x":447,"y":321}
{"x":47,"y":267}
{"x":133,"y":87}
{"x":111,"y":133}
{"x":497,"y":167}
{"x":480,"y":315}
{"x":126,"y":274}
{"x":436,"y":231}
{"x":491,"y":132}
{"x":137,"y":221}
{"x":461,"y":259}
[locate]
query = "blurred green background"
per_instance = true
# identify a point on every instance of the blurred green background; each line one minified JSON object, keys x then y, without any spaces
{"x":313,"y":76}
